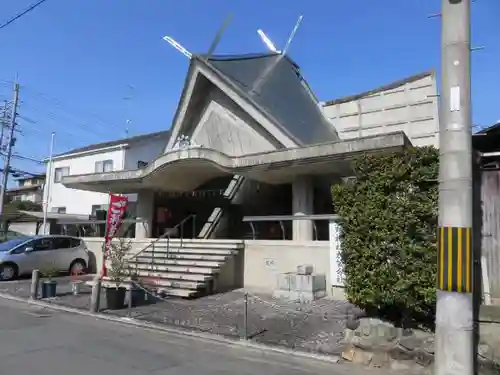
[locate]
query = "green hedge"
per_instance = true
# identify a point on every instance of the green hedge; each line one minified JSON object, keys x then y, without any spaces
{"x":389,"y":221}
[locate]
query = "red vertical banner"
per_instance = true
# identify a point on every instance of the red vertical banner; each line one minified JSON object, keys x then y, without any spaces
{"x":114,"y":220}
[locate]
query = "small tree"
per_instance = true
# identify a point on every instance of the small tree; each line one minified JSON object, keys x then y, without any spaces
{"x":116,"y":259}
{"x":389,"y":221}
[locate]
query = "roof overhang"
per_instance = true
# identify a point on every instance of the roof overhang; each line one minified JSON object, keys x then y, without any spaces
{"x":187,"y":169}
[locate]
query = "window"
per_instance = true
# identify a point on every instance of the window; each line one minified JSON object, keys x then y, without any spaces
{"x":59,"y":173}
{"x":103,"y":166}
{"x":61,"y":243}
{"x":75,"y":242}
{"x":58,"y":210}
{"x":98,"y":207}
{"x":43,"y":244}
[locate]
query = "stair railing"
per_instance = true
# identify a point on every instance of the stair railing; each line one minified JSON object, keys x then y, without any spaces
{"x":214,"y":219}
{"x":166,"y":235}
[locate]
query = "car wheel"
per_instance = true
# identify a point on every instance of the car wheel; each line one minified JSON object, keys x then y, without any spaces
{"x":7,"y":272}
{"x":78,"y":267}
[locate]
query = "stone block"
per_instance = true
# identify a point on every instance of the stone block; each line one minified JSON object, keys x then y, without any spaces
{"x":310,"y":283}
{"x":305,"y":269}
{"x":289,"y":295}
{"x":284,"y":281}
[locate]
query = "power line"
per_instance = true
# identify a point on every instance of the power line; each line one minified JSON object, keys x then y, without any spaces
{"x":15,"y":18}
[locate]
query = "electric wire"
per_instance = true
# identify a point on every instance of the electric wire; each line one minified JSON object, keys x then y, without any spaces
{"x":23,"y":13}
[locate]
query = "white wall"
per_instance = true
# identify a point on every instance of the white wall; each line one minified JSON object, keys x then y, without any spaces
{"x":28,"y":228}
{"x":265,"y":260}
{"x":147,"y":151}
{"x":79,"y":201}
{"x":411,"y":107}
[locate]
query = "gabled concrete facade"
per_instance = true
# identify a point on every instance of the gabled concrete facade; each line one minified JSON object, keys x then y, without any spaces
{"x":255,"y":117}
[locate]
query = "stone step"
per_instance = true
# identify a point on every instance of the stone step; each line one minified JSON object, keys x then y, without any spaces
{"x":173,"y":275}
{"x":159,"y":283}
{"x":152,"y":282}
{"x":202,"y":242}
{"x":198,"y":245}
{"x":187,"y":257}
{"x":176,"y":292}
{"x":174,"y":262}
{"x":201,"y":251}
{"x":178,"y":289}
{"x":175,"y":269}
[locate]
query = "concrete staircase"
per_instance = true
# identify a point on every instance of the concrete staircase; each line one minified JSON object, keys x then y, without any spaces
{"x":184,"y":268}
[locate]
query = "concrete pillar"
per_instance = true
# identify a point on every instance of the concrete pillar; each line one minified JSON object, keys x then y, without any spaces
{"x":303,"y":204}
{"x":145,"y":213}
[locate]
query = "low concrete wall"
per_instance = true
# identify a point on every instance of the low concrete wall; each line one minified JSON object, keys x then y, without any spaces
{"x":94,"y":245}
{"x":264,"y":260}
{"x":230,"y":275}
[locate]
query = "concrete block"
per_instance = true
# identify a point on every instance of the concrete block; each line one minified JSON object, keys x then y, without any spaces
{"x":310,"y":283}
{"x":284,"y":281}
{"x":305,"y":269}
{"x":319,"y":282}
{"x":286,"y":295}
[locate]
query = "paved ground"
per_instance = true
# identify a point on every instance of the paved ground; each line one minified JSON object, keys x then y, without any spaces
{"x":45,"y":342}
{"x":316,"y":327}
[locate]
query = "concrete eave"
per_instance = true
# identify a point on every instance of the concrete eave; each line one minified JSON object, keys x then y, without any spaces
{"x":186,"y":169}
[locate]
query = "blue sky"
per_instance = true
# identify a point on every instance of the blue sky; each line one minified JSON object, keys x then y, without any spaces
{"x":79,"y":60}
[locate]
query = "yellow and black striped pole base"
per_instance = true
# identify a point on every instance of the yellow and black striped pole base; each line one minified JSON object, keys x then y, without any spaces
{"x":455,"y":259}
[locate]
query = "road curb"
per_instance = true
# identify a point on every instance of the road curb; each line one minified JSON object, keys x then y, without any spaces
{"x":177,"y":331}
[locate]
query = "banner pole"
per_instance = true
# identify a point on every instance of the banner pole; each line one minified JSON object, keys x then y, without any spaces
{"x":104,"y":249}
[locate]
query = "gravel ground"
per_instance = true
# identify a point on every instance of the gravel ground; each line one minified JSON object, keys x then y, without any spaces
{"x":316,"y":326}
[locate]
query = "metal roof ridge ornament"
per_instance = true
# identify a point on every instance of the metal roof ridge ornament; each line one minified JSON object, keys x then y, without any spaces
{"x":184,"y":142}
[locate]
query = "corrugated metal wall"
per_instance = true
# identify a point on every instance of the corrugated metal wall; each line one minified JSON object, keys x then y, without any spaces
{"x":490,"y":197}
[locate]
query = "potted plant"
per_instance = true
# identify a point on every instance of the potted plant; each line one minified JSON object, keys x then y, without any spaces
{"x":49,"y":286}
{"x":117,"y":272}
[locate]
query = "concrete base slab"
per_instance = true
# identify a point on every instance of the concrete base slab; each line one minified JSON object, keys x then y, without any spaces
{"x":302,"y":297}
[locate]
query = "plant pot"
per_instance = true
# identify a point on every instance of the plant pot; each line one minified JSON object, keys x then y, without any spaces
{"x":49,"y":288}
{"x":115,"y":298}
{"x":76,"y":287}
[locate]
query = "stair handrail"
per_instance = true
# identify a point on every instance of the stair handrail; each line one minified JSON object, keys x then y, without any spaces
{"x":163,"y":236}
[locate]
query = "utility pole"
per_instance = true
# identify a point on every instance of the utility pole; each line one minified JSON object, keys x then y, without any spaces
{"x":3,"y":122}
{"x":6,"y":168}
{"x":48,"y":179}
{"x":454,"y":342}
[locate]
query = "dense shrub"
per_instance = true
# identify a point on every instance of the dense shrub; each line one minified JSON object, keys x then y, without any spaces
{"x":389,"y":220}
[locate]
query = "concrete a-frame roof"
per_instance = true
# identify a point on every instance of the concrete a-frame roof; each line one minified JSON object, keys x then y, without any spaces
{"x":270,"y":88}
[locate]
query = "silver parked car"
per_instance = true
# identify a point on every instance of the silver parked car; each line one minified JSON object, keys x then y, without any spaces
{"x":22,"y":255}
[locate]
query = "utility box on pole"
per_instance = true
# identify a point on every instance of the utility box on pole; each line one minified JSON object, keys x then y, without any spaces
{"x":454,"y":344}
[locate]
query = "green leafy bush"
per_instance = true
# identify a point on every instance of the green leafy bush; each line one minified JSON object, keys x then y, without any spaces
{"x":389,"y":221}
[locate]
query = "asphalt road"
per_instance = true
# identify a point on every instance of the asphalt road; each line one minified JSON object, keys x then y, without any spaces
{"x":45,"y":342}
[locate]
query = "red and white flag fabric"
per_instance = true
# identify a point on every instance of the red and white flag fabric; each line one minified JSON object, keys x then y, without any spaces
{"x":116,"y":211}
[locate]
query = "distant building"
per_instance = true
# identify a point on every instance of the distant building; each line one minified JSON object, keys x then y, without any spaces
{"x":28,"y":189}
{"x":113,"y":156}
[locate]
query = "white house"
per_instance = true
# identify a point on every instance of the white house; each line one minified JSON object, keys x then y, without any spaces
{"x":123,"y":154}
